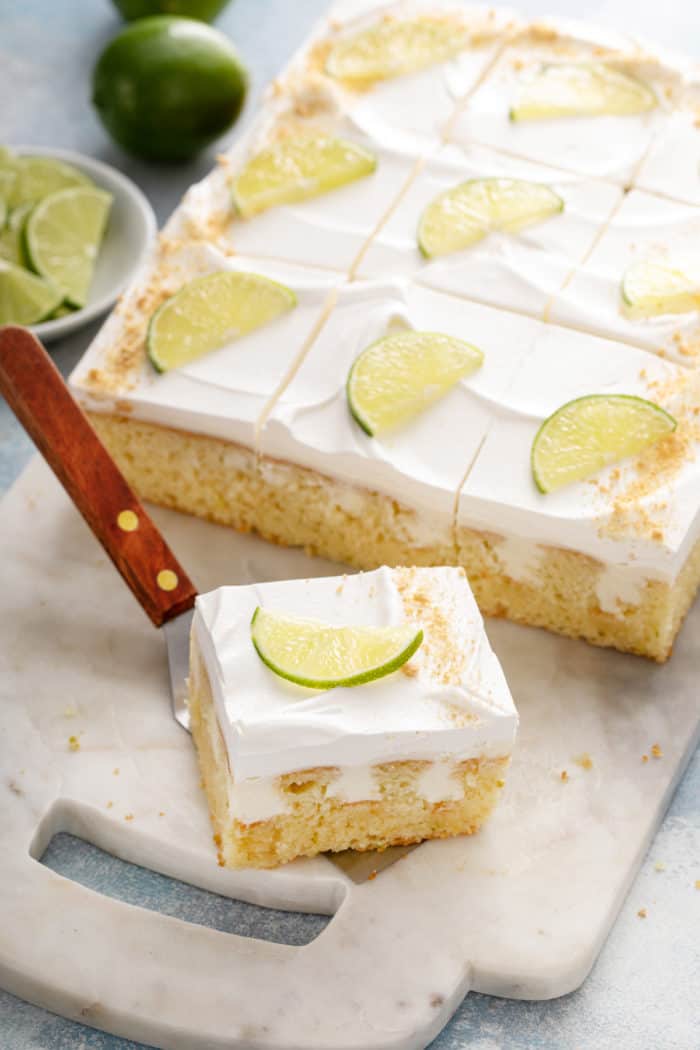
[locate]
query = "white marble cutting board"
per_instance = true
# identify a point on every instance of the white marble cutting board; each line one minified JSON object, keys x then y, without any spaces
{"x":520,"y":910}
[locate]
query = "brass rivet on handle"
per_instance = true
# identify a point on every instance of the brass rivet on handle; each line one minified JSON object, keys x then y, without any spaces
{"x":167,"y":580}
{"x":127,"y":520}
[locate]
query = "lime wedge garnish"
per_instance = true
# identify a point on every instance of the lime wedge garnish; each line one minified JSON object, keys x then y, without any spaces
{"x":62,"y":237}
{"x":322,"y":656}
{"x":581,"y":91}
{"x":210,"y":311}
{"x":460,"y":217}
{"x":651,"y":288}
{"x":24,"y":297}
{"x":590,"y":433}
{"x":296,"y":169}
{"x":11,"y":237}
{"x":403,"y":374}
{"x":37,"y":177}
{"x":395,"y":47}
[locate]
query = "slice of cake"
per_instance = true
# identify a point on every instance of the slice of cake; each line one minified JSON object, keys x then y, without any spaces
{"x":418,"y":752}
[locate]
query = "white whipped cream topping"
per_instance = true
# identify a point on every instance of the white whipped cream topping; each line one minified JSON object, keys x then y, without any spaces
{"x":604,"y":146}
{"x":564,"y":365}
{"x":421,"y":465}
{"x":518,"y":271}
{"x":672,"y":166}
{"x":272,"y":727}
{"x":646,"y":226}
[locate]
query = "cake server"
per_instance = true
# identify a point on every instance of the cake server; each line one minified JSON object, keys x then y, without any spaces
{"x":37,"y":394}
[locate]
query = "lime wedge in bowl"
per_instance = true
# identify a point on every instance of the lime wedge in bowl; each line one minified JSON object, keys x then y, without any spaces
{"x":296,"y":169}
{"x":401,"y":375}
{"x":651,"y":288}
{"x":24,"y":297}
{"x":323,"y":656}
{"x":395,"y":47}
{"x":209,"y":311}
{"x":36,"y":177}
{"x":460,"y":217}
{"x":570,"y":90}
{"x":62,"y":237}
{"x":590,"y":433}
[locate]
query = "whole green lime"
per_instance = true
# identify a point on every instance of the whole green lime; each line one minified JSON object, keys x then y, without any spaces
{"x":166,"y":87}
{"x":205,"y":10}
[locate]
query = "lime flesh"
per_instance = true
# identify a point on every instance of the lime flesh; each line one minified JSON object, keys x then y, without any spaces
{"x":297,"y":169}
{"x":323,"y":656}
{"x":566,"y":90}
{"x":37,"y":177}
{"x":62,"y":237}
{"x":394,"y":48}
{"x":460,"y":217}
{"x":653,"y":288}
{"x":400,"y":376}
{"x":211,"y":311}
{"x":590,"y":433}
{"x":24,"y":297}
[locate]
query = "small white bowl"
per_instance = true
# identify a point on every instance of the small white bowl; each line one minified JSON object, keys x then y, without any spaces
{"x":129,"y":237}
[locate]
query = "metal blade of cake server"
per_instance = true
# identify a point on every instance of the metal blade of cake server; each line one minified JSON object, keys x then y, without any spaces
{"x":177,"y":637}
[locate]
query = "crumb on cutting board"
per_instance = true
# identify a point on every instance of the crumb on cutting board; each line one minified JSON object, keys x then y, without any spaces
{"x":73,"y":743}
{"x":642,"y":913}
{"x":584,"y":760}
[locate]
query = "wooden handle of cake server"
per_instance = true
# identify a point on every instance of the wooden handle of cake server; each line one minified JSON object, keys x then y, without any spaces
{"x":39,"y":397}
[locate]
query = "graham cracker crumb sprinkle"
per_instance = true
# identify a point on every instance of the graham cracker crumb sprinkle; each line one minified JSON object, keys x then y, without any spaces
{"x":161,"y":813}
{"x":697,"y":884}
{"x":659,"y":866}
{"x":115,"y":771}
{"x":73,"y":743}
{"x":564,"y":776}
{"x":584,"y":761}
{"x":642,"y":913}
{"x":109,"y":805}
{"x":129,"y":816}
{"x":656,"y":751}
{"x":410,"y":670}
{"x":645,"y":758}
{"x":438,"y":654}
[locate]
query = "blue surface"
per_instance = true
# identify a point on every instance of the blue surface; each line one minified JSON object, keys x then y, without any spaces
{"x":644,"y":990}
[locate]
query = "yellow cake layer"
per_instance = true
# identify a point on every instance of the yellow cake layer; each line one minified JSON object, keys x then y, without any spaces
{"x":313,"y":823}
{"x":293,"y":506}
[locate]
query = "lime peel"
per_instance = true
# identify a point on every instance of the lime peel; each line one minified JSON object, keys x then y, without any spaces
{"x":401,"y":375}
{"x":324,"y":656}
{"x":592,"y":432}
{"x":25,"y":298}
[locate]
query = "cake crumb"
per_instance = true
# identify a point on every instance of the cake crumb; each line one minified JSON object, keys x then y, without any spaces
{"x":129,"y":816}
{"x":73,"y":743}
{"x":645,"y":758}
{"x":109,"y":805}
{"x":656,"y":751}
{"x":659,"y":866}
{"x":564,"y":775}
{"x":372,"y":875}
{"x":161,"y":813}
{"x":70,"y":711}
{"x":500,"y":783}
{"x":642,"y":913}
{"x":697,"y":884}
{"x":584,"y":760}
{"x":115,"y":771}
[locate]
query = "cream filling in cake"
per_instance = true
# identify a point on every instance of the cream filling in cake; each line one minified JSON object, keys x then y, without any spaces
{"x":449,"y":704}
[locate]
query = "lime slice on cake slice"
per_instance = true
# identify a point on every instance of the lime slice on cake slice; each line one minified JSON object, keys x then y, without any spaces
{"x":394,"y":47}
{"x":210,"y":311}
{"x":297,"y":169}
{"x":590,"y":433}
{"x":62,"y":237}
{"x":24,"y":297}
{"x":400,"y":376}
{"x":570,"y":90}
{"x":652,"y":288}
{"x":323,"y":656}
{"x":460,"y":217}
